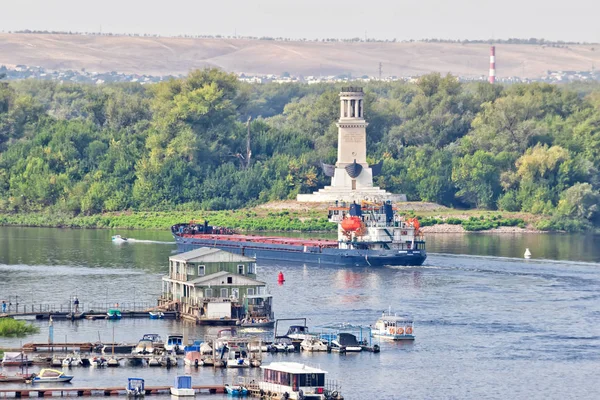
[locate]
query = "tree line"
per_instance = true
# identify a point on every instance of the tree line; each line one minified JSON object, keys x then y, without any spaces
{"x":183,"y":144}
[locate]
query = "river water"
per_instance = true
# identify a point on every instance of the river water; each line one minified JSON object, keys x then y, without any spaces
{"x":488,"y":323}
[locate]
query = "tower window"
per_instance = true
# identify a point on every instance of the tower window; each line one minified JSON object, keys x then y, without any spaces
{"x":352,"y":107}
{"x":359,"y":109}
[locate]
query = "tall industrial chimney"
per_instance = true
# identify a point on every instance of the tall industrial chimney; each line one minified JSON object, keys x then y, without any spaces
{"x":492,"y":77}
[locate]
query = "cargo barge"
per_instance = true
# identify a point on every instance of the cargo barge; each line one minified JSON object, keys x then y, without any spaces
{"x":369,"y":235}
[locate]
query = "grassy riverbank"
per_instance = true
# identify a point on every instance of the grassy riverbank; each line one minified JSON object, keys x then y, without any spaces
{"x":245,"y":219}
{"x":15,"y":328}
{"x":294,"y":216}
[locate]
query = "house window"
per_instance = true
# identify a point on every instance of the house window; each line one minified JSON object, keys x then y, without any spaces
{"x":190,"y":270}
{"x":260,"y":290}
{"x":224,"y":292}
{"x":208,"y":293}
{"x":252,"y":268}
{"x":241,"y":269}
{"x":235,"y":293}
{"x":229,"y":279}
{"x":250,"y":291}
{"x":201,"y":270}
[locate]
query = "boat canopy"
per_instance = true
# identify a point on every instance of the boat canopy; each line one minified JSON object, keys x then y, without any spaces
{"x":183,"y":382}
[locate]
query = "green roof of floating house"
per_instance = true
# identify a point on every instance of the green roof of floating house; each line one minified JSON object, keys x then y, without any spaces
{"x":209,"y":254}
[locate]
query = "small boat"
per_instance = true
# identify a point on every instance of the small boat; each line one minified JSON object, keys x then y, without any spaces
{"x":113,"y":313}
{"x":156,"y":314}
{"x":67,"y":362}
{"x":113,"y":362}
{"x":347,"y":341}
{"x":98,"y":362}
{"x":148,"y":344}
{"x":293,"y":380}
{"x":168,"y":360}
{"x":393,"y":327}
{"x":236,"y":390}
{"x":527,"y":253}
{"x":193,"y":359}
{"x":174,"y":343}
{"x":205,"y":348}
{"x":313,"y":343}
{"x":51,"y":375}
{"x":282,"y":345}
{"x":56,"y":362}
{"x":119,"y":239}
{"x":135,"y":387}
{"x":238,"y":359}
{"x":15,"y":359}
{"x":183,"y":386}
{"x":153,"y":362}
{"x":298,"y":332}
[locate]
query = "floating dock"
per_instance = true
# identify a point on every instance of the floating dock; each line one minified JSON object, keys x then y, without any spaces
{"x":33,"y":391}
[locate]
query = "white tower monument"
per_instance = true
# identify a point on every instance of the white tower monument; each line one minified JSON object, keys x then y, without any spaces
{"x":351,"y":177}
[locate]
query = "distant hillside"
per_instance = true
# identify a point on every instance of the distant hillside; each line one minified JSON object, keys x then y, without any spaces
{"x":163,"y":56}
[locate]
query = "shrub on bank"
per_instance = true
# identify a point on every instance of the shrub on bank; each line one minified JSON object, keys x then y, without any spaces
{"x":14,"y":328}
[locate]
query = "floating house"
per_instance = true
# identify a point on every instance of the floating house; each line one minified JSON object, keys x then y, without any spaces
{"x":214,"y":286}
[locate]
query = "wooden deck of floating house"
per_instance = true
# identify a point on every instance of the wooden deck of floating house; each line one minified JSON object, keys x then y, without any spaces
{"x":95,"y":391}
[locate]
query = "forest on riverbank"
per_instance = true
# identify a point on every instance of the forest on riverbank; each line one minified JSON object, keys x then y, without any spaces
{"x":181,"y":145}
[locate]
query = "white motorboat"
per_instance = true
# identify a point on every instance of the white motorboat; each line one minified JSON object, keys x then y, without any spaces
{"x":148,"y":344}
{"x":393,"y":327}
{"x":183,"y":386}
{"x":313,"y":343}
{"x":113,"y":362}
{"x":174,"y":343}
{"x":98,"y":362}
{"x":153,"y":362}
{"x":238,"y":357}
{"x":193,"y":359}
{"x":297,"y":381}
{"x":51,"y":376}
{"x":282,"y":345}
{"x":298,"y":333}
{"x":119,"y":239}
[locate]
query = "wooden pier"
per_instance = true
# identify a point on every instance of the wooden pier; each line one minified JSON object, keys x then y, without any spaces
{"x":98,"y":391}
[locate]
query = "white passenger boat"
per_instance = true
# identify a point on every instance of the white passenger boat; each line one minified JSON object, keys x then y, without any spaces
{"x":297,"y":381}
{"x":393,"y":327}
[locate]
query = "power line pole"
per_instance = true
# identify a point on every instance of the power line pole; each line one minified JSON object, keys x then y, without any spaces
{"x":380,"y":70}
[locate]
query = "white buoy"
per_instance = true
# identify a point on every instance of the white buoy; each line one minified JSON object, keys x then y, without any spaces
{"x":527,"y":253}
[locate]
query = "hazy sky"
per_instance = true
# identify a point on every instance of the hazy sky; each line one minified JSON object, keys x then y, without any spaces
{"x":573,"y":20}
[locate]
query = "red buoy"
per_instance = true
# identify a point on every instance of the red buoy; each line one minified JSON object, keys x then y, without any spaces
{"x":280,"y":278}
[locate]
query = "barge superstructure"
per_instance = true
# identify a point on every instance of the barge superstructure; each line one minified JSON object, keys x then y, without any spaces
{"x":370,"y":234}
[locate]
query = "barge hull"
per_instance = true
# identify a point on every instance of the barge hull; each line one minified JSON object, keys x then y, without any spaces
{"x":312,"y":255}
